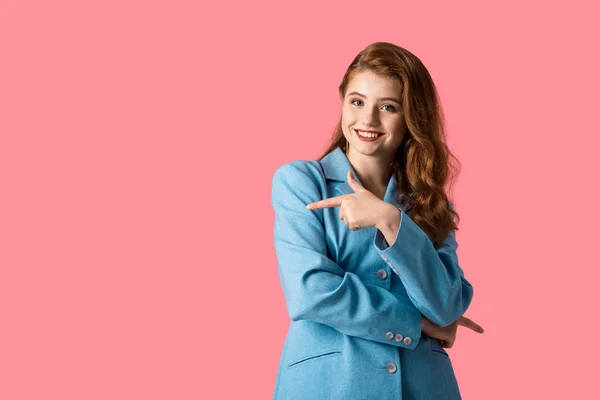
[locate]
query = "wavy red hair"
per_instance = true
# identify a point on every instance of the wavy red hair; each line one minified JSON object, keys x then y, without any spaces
{"x":424,"y":165}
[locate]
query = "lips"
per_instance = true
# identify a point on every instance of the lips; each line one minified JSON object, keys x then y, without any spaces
{"x":368,"y":131}
{"x":367,"y":139}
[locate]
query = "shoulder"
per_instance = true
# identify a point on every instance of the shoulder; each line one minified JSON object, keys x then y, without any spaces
{"x":299,"y":171}
{"x":302,"y":179}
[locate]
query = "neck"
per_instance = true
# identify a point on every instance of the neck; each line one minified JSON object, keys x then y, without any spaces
{"x":374,"y":172}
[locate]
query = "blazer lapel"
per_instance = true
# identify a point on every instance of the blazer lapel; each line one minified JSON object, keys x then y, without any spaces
{"x":335,"y":167}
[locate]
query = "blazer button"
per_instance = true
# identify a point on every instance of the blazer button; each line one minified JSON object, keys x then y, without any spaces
{"x":389,"y":335}
{"x":382,"y":274}
{"x":407,"y":340}
{"x":391,"y":368}
{"x":398,"y":337}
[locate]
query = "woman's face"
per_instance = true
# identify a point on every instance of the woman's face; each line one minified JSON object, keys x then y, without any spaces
{"x":372,"y":103}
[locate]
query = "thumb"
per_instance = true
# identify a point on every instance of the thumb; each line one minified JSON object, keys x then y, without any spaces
{"x":354,"y":184}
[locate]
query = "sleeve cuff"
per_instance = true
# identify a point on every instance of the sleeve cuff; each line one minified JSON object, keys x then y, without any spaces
{"x":379,"y":242}
{"x":407,"y":338}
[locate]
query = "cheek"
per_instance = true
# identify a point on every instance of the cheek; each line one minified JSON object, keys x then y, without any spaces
{"x":346,"y":121}
{"x":345,"y":115}
{"x":346,"y":132}
{"x":397,"y":125}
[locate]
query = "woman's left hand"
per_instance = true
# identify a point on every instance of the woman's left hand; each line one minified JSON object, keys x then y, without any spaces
{"x":358,"y":210}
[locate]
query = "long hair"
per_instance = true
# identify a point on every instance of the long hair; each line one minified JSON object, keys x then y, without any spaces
{"x":424,"y":164}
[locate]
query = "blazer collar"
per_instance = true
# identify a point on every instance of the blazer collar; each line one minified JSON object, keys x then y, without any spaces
{"x":335,"y":167}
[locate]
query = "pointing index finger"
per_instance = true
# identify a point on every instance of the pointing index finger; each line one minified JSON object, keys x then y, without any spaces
{"x":331,"y":202}
{"x":471,"y":324}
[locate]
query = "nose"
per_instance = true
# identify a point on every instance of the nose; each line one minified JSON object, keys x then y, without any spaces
{"x":370,"y":117}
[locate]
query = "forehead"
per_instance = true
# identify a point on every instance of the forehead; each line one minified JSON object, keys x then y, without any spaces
{"x":370,"y":83}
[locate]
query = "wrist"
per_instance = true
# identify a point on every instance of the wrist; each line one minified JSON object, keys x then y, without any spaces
{"x":390,"y":219}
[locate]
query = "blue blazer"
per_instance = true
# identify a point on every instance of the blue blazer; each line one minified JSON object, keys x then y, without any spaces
{"x":356,"y":303}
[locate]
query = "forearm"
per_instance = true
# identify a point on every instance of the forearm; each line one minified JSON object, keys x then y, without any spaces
{"x":433,"y":279}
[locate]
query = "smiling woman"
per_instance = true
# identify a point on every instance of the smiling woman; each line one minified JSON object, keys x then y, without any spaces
{"x":366,"y":246}
{"x":368,"y":116}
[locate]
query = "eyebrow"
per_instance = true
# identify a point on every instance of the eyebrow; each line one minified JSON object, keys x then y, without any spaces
{"x":381,"y":98}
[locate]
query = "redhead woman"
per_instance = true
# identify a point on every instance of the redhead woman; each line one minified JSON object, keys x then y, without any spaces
{"x":366,"y":245}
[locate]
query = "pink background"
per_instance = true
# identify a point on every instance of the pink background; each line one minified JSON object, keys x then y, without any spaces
{"x":137,"y":146}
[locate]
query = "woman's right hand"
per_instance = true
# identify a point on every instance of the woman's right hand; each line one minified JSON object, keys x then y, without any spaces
{"x":447,"y":335}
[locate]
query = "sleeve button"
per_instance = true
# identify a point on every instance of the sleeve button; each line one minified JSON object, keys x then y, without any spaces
{"x":398,"y":337}
{"x":389,"y":335}
{"x":407,"y":340}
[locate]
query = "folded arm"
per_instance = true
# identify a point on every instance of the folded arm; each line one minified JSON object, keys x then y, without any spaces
{"x":318,"y":289}
{"x":433,"y":278}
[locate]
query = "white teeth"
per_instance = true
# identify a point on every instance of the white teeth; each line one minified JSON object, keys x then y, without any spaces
{"x":367,"y":134}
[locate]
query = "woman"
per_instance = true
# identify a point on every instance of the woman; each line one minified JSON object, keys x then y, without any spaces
{"x":366,"y":247}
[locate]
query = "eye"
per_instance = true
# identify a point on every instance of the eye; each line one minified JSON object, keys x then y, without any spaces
{"x":392,"y":108}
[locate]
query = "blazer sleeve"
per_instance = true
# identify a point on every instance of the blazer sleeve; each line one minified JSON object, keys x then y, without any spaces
{"x":433,"y":278}
{"x":314,"y":286}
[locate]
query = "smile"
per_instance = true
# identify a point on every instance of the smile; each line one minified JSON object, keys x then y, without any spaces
{"x":367,"y":136}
